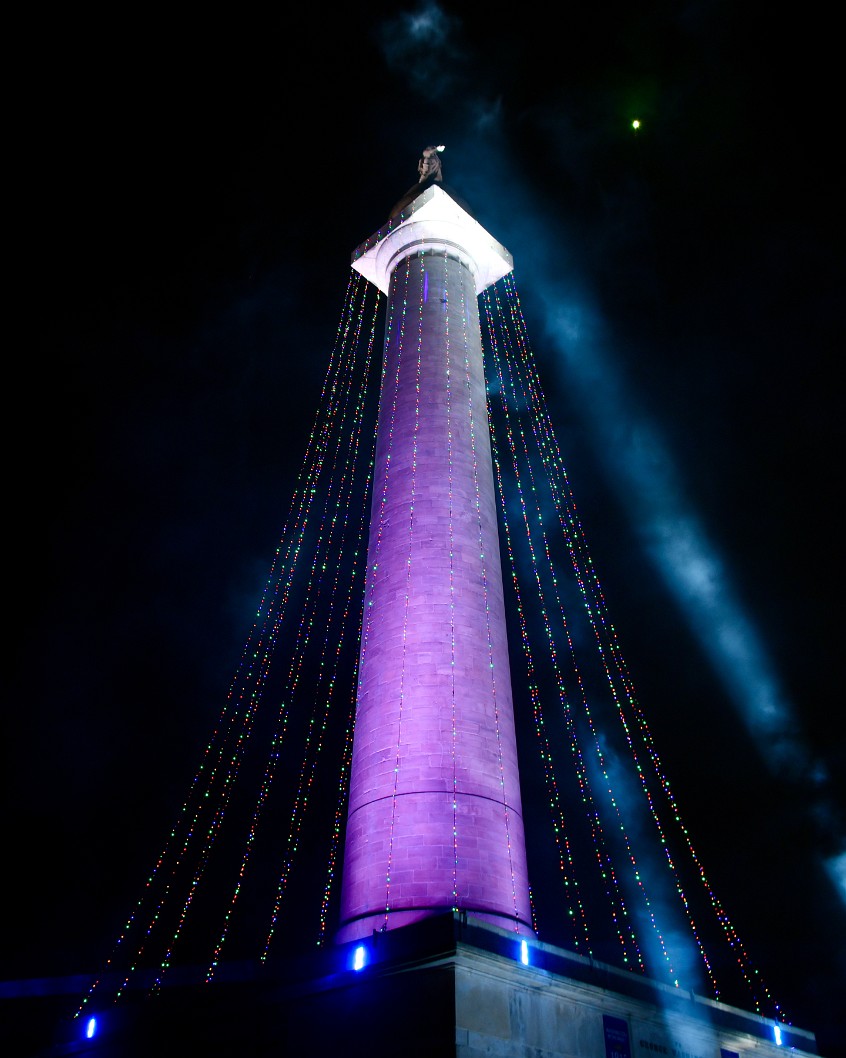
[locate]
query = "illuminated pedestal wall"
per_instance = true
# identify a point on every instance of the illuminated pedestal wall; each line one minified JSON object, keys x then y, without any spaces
{"x":458,"y":987}
{"x":435,"y":819}
{"x":445,"y":986}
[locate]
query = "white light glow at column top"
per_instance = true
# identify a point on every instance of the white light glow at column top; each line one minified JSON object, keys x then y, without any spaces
{"x":432,"y":222}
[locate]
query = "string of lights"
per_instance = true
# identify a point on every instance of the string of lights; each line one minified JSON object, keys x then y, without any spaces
{"x":600,"y":623}
{"x":215,"y":780}
{"x":313,"y":627}
{"x":418,"y":341}
{"x":518,"y":384}
{"x":329,"y":559}
{"x":451,"y":513}
{"x":477,"y":421}
{"x":534,"y":518}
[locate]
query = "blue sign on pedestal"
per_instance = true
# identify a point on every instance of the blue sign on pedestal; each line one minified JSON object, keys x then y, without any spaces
{"x":616,"y":1037}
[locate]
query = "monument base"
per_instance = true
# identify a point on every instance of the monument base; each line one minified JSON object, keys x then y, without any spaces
{"x":448,"y":986}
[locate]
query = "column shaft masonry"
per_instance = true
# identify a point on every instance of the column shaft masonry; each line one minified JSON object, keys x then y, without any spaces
{"x":435,"y":819}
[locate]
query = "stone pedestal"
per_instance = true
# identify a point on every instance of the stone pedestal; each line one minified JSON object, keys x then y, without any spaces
{"x":445,"y":987}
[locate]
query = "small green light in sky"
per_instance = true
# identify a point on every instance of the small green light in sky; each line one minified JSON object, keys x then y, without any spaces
{"x":636,"y":124}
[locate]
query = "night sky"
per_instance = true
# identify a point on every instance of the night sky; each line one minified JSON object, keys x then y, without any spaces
{"x":190,"y":195}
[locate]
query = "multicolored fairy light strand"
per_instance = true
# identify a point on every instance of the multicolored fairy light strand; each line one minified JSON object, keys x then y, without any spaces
{"x":516,"y":386}
{"x":329,"y":660}
{"x":310,"y":617}
{"x":417,"y":264}
{"x":508,"y":341}
{"x":329,"y":561}
{"x":451,"y":515}
{"x":532,"y":520}
{"x":565,"y":854}
{"x":478,"y":421}
{"x":202,"y":814}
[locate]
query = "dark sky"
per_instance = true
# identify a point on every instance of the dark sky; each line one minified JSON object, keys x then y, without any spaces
{"x":190,"y":195}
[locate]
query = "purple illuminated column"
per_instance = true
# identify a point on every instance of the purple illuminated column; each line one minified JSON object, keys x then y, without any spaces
{"x":435,"y":819}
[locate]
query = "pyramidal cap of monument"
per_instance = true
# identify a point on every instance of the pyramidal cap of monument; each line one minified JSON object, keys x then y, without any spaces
{"x":435,"y":817}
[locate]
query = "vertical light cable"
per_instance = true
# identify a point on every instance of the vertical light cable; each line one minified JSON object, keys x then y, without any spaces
{"x":408,"y":571}
{"x":484,"y":566}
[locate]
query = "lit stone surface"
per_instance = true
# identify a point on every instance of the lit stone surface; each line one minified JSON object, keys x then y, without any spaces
{"x":436,"y":222}
{"x":434,"y":808}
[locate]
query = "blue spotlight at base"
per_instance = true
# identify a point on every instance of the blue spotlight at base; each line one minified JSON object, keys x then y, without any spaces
{"x":359,"y":957}
{"x":777,"y":1035}
{"x":90,"y":1028}
{"x":524,"y":953}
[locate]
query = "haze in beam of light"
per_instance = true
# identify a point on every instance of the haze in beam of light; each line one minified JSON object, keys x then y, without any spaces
{"x":836,"y":870}
{"x":642,"y":469}
{"x":662,"y":928}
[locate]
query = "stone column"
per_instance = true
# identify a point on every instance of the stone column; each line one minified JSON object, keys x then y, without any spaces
{"x":435,"y":819}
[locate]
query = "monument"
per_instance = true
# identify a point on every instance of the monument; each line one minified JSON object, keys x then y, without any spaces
{"x":435,"y":819}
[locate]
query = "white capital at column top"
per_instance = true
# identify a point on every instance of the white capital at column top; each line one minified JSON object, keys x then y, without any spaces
{"x":432,"y":222}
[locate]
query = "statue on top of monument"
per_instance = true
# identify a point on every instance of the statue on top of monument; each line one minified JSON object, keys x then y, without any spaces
{"x":430,"y":172}
{"x":429,"y":167}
